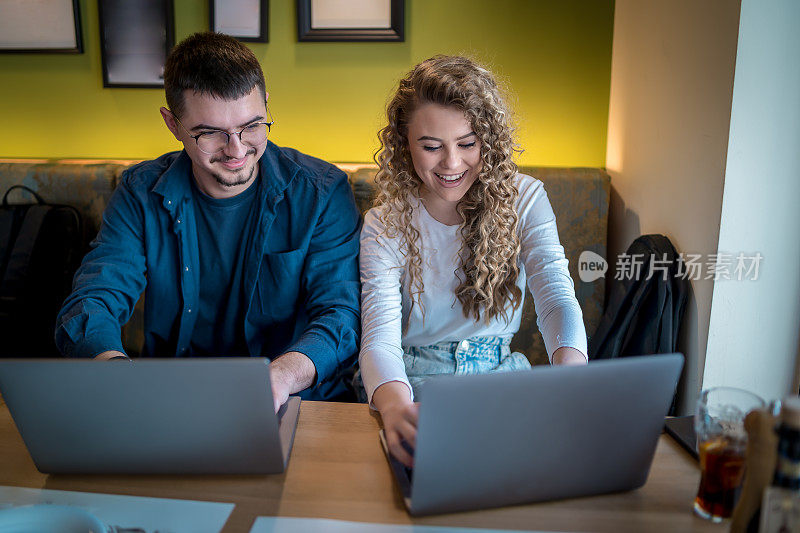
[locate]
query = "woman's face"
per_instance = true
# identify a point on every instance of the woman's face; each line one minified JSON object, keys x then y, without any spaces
{"x":446,"y":154}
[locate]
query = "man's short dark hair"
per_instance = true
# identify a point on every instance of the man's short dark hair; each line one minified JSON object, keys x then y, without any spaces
{"x":213,"y":64}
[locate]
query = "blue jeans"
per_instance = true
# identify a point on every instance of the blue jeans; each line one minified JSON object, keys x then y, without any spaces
{"x":476,"y":355}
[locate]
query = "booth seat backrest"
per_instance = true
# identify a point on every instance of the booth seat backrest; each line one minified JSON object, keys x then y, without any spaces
{"x":86,"y":186}
{"x":579,"y":197}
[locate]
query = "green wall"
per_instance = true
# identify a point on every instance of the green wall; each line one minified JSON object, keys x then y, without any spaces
{"x":328,"y":98}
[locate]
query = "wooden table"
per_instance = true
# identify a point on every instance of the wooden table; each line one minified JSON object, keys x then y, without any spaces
{"x":338,"y":470}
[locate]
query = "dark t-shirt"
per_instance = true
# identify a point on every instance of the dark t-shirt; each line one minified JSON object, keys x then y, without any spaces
{"x":224,"y":226}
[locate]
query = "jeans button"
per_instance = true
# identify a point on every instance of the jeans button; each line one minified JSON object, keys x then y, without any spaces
{"x":463,"y":345}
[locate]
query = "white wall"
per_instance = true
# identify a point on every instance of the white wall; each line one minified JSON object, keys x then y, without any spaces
{"x":671,"y":85}
{"x":754,"y":332}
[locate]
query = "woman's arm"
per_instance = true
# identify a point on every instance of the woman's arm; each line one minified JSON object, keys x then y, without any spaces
{"x":569,"y":356}
{"x":381,"y":356}
{"x":559,"y":316}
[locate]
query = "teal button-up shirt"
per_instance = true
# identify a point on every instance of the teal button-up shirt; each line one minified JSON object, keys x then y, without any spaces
{"x":300,"y":279}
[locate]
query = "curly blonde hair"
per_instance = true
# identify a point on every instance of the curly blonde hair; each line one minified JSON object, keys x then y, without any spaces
{"x":488,"y":269}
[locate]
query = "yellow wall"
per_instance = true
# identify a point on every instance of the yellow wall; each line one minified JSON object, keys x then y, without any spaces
{"x":328,"y":98}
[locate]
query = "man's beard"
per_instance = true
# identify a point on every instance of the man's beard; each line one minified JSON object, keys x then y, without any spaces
{"x":240,"y":176}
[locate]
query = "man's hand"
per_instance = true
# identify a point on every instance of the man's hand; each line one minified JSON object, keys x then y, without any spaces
{"x":569,"y":356}
{"x":399,"y":416}
{"x":290,"y":373}
{"x":105,"y":356}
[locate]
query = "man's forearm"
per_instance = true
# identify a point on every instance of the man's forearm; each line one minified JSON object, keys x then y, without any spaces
{"x":110,"y":354}
{"x":294,"y":370}
{"x":290,"y":373}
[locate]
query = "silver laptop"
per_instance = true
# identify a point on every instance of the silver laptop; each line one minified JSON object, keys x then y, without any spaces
{"x":550,"y":433}
{"x":151,"y":416}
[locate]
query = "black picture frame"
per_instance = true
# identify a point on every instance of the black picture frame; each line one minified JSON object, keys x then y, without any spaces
{"x":262,"y":18}
{"x":395,"y":33}
{"x":135,"y":39}
{"x":34,"y":19}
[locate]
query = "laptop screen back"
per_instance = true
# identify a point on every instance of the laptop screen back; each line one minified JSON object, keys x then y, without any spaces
{"x":554,"y":432}
{"x":147,"y":416}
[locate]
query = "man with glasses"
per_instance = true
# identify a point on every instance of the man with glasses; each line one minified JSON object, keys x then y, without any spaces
{"x":241,"y":247}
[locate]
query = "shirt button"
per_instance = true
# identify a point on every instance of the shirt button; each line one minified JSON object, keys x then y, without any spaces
{"x":189,"y":310}
{"x":169,"y":202}
{"x":186,"y":269}
{"x":463,"y":345}
{"x":178,"y":221}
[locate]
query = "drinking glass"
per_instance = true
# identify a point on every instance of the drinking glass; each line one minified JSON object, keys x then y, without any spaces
{"x":721,"y":444}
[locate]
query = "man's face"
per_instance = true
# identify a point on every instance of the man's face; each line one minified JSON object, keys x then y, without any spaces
{"x":231,"y":171}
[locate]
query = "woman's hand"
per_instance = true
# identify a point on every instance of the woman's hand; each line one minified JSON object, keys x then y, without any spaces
{"x":568,"y":356}
{"x":399,"y":415}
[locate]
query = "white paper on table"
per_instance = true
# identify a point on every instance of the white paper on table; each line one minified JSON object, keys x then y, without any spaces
{"x":150,"y":514}
{"x":271,"y":524}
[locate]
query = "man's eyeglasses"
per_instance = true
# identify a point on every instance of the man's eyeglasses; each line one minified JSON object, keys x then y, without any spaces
{"x":212,"y":142}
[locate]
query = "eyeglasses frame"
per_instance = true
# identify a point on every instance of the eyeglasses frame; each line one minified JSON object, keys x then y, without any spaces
{"x":228,"y":134}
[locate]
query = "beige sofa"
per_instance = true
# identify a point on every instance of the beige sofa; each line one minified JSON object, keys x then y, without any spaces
{"x":579,"y":197}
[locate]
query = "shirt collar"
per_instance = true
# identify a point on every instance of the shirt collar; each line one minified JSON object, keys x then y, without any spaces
{"x":174,"y":184}
{"x":277,"y":172}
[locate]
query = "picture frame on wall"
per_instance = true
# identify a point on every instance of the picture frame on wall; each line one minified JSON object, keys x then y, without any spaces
{"x":351,"y":20}
{"x":135,"y":38}
{"x":246,"y":20}
{"x":42,"y":27}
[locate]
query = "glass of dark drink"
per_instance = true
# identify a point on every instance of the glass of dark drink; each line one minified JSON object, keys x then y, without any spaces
{"x":721,"y":444}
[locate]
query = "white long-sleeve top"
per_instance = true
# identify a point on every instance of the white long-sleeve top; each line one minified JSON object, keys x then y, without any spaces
{"x":388,"y":323}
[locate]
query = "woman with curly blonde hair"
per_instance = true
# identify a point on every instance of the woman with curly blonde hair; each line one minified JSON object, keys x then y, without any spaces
{"x":445,"y":252}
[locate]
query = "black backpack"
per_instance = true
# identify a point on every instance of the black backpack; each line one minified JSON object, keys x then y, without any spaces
{"x":41,"y":246}
{"x":643,"y":316}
